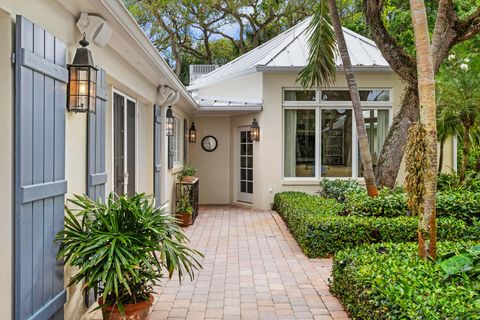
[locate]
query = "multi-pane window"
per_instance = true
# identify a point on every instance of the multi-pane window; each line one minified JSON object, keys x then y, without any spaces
{"x":320,"y":137}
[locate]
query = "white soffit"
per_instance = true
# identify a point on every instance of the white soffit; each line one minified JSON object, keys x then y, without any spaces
{"x":290,"y":49}
{"x":213,"y":103}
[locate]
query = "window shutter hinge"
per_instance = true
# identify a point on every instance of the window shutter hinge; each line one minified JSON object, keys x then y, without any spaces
{"x":13,"y":57}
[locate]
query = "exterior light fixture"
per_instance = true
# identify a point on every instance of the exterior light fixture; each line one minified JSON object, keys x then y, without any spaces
{"x":192,"y":133}
{"x":254,"y":131}
{"x":169,"y":123}
{"x":82,"y":84}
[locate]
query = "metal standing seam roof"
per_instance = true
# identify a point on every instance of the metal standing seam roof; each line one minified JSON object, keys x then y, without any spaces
{"x":290,"y":49}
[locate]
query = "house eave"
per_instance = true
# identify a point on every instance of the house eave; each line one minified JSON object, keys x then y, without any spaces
{"x":135,"y":36}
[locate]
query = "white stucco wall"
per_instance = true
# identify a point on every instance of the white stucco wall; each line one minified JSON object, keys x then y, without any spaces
{"x":213,"y":167}
{"x":268,"y":156}
{"x":6,"y":163}
{"x":121,"y":75}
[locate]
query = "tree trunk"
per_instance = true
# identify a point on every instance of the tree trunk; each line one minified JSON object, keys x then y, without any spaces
{"x":440,"y":156}
{"x":426,"y":91}
{"x":392,"y":152}
{"x":357,"y":107}
{"x":465,"y":153}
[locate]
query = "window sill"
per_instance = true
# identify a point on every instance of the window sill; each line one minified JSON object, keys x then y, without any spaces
{"x":316,"y":182}
{"x":309,"y":182}
{"x":177,"y":168}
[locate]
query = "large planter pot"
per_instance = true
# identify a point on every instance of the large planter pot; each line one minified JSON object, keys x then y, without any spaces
{"x":185,"y":219}
{"x":137,"y":311}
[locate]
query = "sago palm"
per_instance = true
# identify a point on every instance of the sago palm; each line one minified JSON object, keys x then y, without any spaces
{"x":321,"y":68}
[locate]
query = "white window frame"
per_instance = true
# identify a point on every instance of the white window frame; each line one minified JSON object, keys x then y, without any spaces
{"x":177,"y":142}
{"x":126,"y":98}
{"x":320,"y":105}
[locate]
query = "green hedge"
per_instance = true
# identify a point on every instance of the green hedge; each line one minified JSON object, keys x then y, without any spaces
{"x":320,"y":230}
{"x":389,"y":281}
{"x":463,"y":205}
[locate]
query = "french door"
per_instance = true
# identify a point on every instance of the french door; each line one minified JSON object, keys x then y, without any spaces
{"x":245,"y":187}
{"x":124,"y":144}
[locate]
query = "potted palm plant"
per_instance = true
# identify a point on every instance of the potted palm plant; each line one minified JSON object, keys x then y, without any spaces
{"x":123,"y":246}
{"x":184,"y":209}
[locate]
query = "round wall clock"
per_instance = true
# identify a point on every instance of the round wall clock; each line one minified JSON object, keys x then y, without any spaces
{"x":209,"y":143}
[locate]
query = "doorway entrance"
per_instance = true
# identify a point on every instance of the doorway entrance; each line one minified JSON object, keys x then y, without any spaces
{"x":124,"y":144}
{"x":245,"y":193}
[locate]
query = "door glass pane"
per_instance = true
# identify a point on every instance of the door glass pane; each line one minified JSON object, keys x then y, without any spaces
{"x":250,"y":162}
{"x":243,"y":174}
{"x":336,"y":143}
{"x":131,"y":147}
{"x":377,"y":124}
{"x":243,"y":186}
{"x":243,"y":136}
{"x":243,"y":149}
{"x":249,"y":149}
{"x":118,"y":143}
{"x":299,"y":143}
{"x":249,"y":187}
{"x":250,"y":175}
{"x":243,"y":162}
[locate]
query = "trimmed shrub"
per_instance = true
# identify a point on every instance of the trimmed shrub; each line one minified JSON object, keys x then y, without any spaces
{"x":320,"y":230}
{"x":463,"y":205}
{"x":460,"y":204}
{"x":451,"y":182}
{"x":388,"y":203}
{"x":338,"y":189}
{"x":389,"y":281}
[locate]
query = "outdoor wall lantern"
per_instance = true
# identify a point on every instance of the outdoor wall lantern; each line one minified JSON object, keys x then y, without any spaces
{"x":254,"y":131}
{"x":192,"y":133}
{"x":169,"y":123}
{"x":82,"y":84}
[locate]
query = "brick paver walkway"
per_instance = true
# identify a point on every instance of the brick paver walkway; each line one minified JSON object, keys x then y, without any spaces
{"x":253,"y":269}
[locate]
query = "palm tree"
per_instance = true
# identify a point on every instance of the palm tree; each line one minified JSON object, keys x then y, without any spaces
{"x":459,"y":96}
{"x":426,"y":90}
{"x":448,"y":125}
{"x":320,"y":71}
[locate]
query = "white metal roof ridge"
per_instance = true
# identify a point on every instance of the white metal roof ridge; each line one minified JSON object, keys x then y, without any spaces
{"x":290,"y":49}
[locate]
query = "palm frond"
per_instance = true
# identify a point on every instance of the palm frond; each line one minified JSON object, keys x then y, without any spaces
{"x":320,"y":69}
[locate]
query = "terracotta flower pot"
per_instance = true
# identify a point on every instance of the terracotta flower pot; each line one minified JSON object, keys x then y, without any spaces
{"x":185,"y":219}
{"x":188,"y":178}
{"x":137,"y":311}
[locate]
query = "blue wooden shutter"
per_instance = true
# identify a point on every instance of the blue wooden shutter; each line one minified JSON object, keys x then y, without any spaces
{"x":40,"y":186}
{"x":96,"y":175}
{"x":157,"y":156}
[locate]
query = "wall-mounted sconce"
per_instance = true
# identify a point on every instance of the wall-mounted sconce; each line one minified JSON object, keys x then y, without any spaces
{"x":82,"y":84}
{"x":169,"y":123}
{"x":192,"y":133}
{"x":254,"y":131}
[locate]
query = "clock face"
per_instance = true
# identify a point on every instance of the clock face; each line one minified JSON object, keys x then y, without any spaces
{"x":209,"y":143}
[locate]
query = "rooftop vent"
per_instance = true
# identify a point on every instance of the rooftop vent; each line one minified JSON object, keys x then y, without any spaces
{"x":198,"y":70}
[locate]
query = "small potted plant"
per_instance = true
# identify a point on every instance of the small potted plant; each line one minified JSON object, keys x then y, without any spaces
{"x":123,"y":246}
{"x":184,"y":209}
{"x":188,"y":174}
